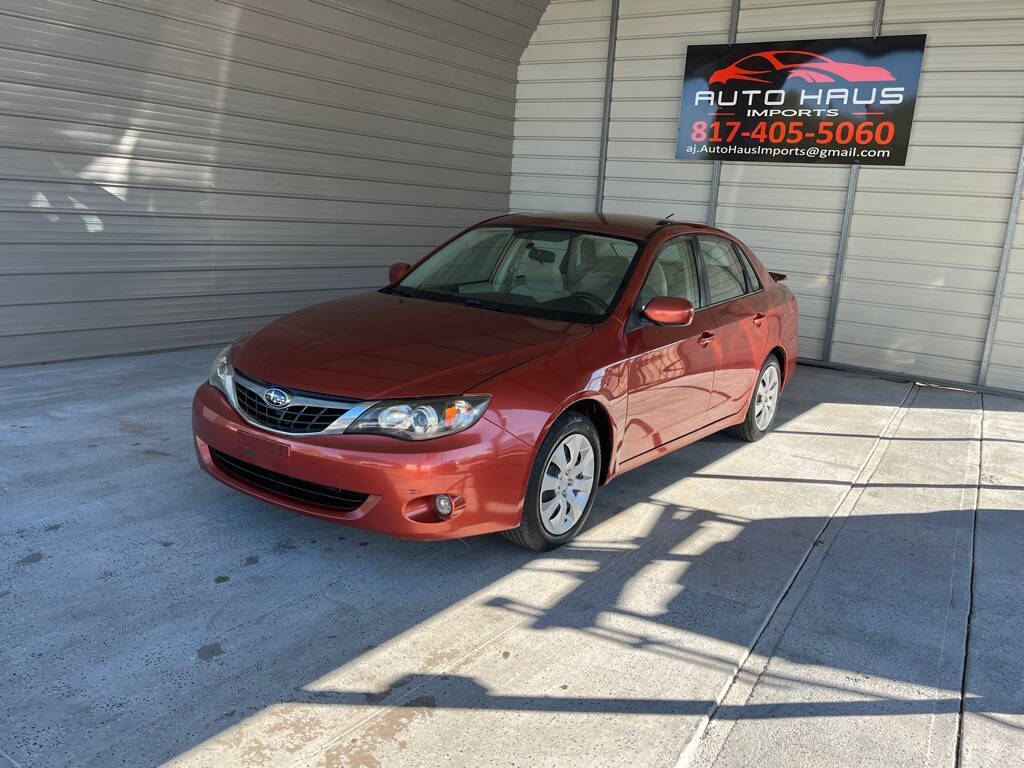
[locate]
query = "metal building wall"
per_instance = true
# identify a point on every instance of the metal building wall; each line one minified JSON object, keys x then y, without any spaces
{"x":919,"y":277}
{"x":1006,"y":365}
{"x":926,"y":240}
{"x":176,"y":172}
{"x":559,"y":105}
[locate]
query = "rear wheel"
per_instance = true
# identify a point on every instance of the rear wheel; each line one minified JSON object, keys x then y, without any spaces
{"x":562,"y":484}
{"x":763,"y":405}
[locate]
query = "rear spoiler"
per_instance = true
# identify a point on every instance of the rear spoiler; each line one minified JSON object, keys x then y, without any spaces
{"x":778,"y":277}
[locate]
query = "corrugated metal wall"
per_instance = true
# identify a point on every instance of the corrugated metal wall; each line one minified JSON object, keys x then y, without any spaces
{"x":559,"y":109}
{"x":176,"y":172}
{"x":917,"y":287}
{"x":926,"y":239}
{"x":1006,"y":367}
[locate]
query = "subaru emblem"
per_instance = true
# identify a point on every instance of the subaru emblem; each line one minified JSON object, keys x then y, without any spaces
{"x":277,"y":398}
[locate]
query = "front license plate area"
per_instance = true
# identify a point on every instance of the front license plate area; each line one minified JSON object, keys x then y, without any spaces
{"x":255,"y":444}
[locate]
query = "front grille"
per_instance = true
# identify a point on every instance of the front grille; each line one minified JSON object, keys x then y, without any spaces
{"x":293,"y":488}
{"x":300,"y":418}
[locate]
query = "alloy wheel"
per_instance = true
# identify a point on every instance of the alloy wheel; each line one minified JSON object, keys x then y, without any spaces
{"x":767,"y":398}
{"x":567,"y":484}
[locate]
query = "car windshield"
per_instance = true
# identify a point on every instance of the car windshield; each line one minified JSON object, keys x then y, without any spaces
{"x":552,"y":273}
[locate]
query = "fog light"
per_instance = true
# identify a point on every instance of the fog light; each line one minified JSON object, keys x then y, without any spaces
{"x":443,"y":505}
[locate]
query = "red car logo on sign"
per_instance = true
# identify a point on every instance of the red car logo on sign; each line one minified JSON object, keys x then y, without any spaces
{"x":764,"y":66}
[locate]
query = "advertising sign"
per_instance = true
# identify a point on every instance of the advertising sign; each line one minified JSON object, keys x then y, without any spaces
{"x":848,"y":100}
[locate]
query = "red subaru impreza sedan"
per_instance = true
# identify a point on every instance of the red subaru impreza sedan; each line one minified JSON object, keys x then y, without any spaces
{"x":498,"y":382}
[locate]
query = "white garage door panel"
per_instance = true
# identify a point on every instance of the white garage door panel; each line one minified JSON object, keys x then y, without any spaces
{"x":653,"y":37}
{"x":49,"y":258}
{"x":944,"y":227}
{"x":1006,"y":368}
{"x":663,"y":191}
{"x":644,"y":149}
{"x":938,"y":253}
{"x":656,"y":170}
{"x":553,"y":185}
{"x":997,"y":159}
{"x":349,"y":156}
{"x":771,"y":238}
{"x":787,"y":219}
{"x":988,"y":208}
{"x":553,"y":165}
{"x":917,"y":182}
{"x":951,"y":11}
{"x":425,"y":183}
{"x":952,"y":134}
{"x":924,"y":321}
{"x":794,"y":17}
{"x":564,"y":147}
{"x":101,"y":315}
{"x":539,"y":128}
{"x":125,"y":339}
{"x":557,"y":131}
{"x":568,"y":49}
{"x":994,"y":108}
{"x":889,"y":357}
{"x":656,"y":44}
{"x":922,"y":344}
{"x":921,"y":230}
{"x":558,"y":91}
{"x":682,"y":20}
{"x":175,"y":172}
{"x":317,"y":130}
{"x":912,"y":299}
{"x":109,"y":68}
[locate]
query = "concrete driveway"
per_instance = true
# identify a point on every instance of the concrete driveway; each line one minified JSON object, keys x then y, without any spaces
{"x":845,"y":592}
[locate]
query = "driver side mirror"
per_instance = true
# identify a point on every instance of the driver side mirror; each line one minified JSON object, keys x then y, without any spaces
{"x":398,"y":270}
{"x":669,"y":310}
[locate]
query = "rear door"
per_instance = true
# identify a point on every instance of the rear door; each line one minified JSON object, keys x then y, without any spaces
{"x":671,"y":368}
{"x":739,"y":305}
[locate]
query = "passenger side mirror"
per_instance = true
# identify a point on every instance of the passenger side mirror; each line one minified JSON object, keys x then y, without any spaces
{"x":669,"y":310}
{"x":398,"y":270}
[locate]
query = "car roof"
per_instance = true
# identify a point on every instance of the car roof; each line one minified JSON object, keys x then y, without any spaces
{"x":614,"y":224}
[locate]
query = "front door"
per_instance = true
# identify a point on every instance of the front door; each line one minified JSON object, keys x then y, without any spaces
{"x":671,"y":368}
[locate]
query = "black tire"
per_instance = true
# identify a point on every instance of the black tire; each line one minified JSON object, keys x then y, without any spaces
{"x":531,"y":532}
{"x":748,"y":430}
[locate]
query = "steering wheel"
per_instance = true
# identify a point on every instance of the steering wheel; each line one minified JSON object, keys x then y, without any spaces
{"x":593,"y":299}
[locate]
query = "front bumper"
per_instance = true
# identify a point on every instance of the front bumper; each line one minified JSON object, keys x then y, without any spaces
{"x":484,"y":469}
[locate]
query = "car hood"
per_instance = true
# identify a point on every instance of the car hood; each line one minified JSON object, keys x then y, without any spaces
{"x":381,"y":345}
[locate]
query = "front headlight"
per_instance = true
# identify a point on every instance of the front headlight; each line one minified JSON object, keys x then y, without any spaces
{"x":221,"y":371}
{"x":421,"y":419}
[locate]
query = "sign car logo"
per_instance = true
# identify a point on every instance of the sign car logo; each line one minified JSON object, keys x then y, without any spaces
{"x":810,"y":67}
{"x":849,"y":100}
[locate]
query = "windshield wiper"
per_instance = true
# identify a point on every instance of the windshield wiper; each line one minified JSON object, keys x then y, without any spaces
{"x":398,"y":290}
{"x":482,"y":304}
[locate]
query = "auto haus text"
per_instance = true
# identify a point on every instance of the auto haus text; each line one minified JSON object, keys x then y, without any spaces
{"x":823,"y":102}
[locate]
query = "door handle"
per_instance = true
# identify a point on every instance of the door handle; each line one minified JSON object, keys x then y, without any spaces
{"x":758,"y":318}
{"x":705,"y":338}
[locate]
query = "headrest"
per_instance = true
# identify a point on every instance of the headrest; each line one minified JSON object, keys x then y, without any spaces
{"x":539,"y":254}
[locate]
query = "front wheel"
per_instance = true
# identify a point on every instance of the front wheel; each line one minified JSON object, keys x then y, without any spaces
{"x":763,"y":404}
{"x":562,"y":485}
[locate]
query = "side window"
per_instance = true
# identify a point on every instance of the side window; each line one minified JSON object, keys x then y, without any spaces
{"x":724,"y":269}
{"x":753,"y":281}
{"x":673,"y":273}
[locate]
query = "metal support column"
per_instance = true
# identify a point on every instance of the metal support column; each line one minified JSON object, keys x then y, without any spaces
{"x":844,"y":231}
{"x":1004,"y":265}
{"x":606,"y":115}
{"x":716,"y":165}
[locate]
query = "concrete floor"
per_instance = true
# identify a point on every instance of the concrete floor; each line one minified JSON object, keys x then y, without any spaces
{"x":799,"y":601}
